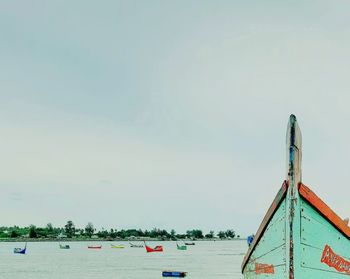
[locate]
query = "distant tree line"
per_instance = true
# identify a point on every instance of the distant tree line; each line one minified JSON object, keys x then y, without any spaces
{"x":71,"y":231}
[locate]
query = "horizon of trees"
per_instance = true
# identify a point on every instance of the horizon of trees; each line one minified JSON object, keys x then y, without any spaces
{"x":71,"y":231}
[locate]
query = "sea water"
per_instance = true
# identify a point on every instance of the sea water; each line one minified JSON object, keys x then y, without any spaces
{"x":205,"y":260}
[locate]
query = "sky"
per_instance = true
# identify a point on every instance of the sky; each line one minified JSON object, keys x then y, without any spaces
{"x":169,"y":114}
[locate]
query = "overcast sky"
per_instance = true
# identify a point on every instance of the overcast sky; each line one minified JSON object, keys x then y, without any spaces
{"x":170,"y":114}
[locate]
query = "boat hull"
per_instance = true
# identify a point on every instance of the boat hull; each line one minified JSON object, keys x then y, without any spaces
{"x":117,"y":246}
{"x":19,"y":251}
{"x":155,"y":249}
{"x":94,"y":247}
{"x":300,"y":237}
{"x":181,"y":247}
{"x":320,"y":242}
{"x":324,"y":248}
{"x":132,"y":245}
{"x":178,"y":274}
{"x":269,"y":254}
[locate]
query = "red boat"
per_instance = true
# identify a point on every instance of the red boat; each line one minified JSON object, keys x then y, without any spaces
{"x":95,"y":247}
{"x":155,"y":249}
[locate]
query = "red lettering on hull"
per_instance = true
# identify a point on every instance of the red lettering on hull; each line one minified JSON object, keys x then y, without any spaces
{"x":335,"y":261}
{"x":264,"y":268}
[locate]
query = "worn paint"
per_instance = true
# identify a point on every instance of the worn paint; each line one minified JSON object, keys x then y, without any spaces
{"x":266,"y":221}
{"x":316,"y":234}
{"x":294,"y":178}
{"x":271,"y":249}
{"x":300,"y":236}
{"x":264,"y":268}
{"x":333,"y":260}
{"x":324,"y":209}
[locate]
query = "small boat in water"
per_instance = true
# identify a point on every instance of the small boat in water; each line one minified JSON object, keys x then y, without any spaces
{"x":95,"y":247}
{"x":181,"y":247}
{"x":135,"y":245}
{"x":158,"y":248}
{"x":180,"y":274}
{"x":64,"y":246}
{"x":118,"y":246}
{"x":20,"y":250}
{"x":190,"y":243}
{"x":300,"y":237}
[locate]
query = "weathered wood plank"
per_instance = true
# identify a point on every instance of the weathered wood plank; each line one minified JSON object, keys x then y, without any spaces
{"x":324,"y":209}
{"x":270,"y":213}
{"x":269,"y":256}
{"x":314,"y":227}
{"x":325,"y":251}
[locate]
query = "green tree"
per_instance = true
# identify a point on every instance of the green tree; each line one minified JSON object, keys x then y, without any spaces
{"x":113,"y":233}
{"x":103,"y":233}
{"x":230,"y":233}
{"x":154,"y":233}
{"x":194,"y":234}
{"x":32,"y":232}
{"x":70,"y":229}
{"x":14,"y":234}
{"x":210,"y":234}
{"x":49,"y":228}
{"x":89,"y":229}
{"x":221,"y":234}
{"x":181,"y":236}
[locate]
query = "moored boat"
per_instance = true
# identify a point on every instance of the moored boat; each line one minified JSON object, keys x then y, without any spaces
{"x":118,"y":246}
{"x":300,"y":236}
{"x":168,"y":273}
{"x":95,"y":247}
{"x":135,"y":245}
{"x":64,"y":246}
{"x":181,"y":247}
{"x":158,"y":248}
{"x":20,"y":250}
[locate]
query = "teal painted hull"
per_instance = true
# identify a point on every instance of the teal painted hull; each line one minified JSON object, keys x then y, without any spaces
{"x":320,"y":250}
{"x":324,"y":250}
{"x":184,"y":247}
{"x":300,"y":236}
{"x":269,"y":256}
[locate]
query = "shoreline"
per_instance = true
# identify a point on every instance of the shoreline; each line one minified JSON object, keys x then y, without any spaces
{"x":110,"y":240}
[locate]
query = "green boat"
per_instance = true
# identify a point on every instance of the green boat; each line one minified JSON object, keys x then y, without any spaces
{"x":181,"y":247}
{"x":300,"y":237}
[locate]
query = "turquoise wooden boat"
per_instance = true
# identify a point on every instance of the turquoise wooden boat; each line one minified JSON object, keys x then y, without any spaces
{"x":300,"y":237}
{"x":181,"y":247}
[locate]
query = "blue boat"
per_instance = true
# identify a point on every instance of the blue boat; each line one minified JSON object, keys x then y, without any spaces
{"x":20,"y":250}
{"x":180,"y":274}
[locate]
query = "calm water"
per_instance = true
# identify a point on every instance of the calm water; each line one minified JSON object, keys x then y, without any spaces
{"x":211,"y":260}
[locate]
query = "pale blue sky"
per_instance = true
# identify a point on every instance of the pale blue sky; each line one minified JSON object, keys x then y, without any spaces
{"x":168,"y":114}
